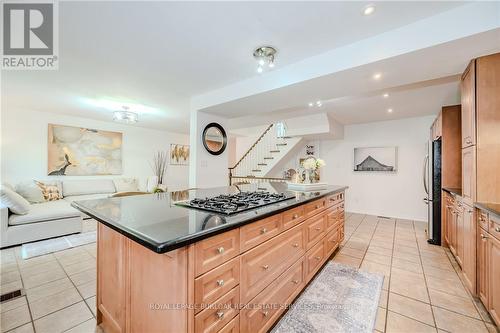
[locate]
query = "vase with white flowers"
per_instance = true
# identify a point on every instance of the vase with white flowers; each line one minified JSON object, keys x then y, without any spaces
{"x":311,"y":164}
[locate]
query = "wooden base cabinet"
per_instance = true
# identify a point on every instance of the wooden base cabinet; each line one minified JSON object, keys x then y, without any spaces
{"x":488,"y":266}
{"x":242,"y":280}
{"x":469,"y":248}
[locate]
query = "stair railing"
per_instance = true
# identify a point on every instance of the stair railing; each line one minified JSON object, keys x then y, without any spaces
{"x":242,"y":170}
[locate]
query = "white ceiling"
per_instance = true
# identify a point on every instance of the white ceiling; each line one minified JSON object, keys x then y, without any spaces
{"x":161,"y":54}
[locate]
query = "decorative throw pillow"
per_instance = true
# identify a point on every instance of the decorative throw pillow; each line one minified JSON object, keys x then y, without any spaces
{"x":50,"y":192}
{"x":16,"y":203}
{"x":126,"y":185}
{"x":30,"y":191}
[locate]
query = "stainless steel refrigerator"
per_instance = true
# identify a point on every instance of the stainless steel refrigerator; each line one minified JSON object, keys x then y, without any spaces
{"x":432,"y":187}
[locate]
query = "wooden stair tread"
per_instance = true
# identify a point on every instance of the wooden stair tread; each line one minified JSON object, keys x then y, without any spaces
{"x":274,"y":151}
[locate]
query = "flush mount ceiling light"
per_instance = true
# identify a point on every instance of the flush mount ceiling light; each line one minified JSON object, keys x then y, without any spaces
{"x":386,"y":95}
{"x":377,"y":76}
{"x":389,"y":110}
{"x":317,"y":103}
{"x":368,"y":9}
{"x":125,"y":116}
{"x":265,"y":56}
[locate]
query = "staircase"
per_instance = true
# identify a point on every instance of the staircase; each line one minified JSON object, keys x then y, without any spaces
{"x":267,"y":151}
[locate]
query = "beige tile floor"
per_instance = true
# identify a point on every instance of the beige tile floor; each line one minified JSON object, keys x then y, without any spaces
{"x":422,"y":291}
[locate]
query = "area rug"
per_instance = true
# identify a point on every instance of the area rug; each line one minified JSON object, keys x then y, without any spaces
{"x":40,"y":248}
{"x":340,"y":299}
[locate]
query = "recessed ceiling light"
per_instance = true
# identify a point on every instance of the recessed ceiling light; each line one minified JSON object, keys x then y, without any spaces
{"x":386,"y":95}
{"x":389,"y":110}
{"x":368,"y":10}
{"x":377,"y":76}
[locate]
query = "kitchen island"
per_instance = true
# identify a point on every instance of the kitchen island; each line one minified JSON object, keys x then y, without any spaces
{"x":162,"y":267}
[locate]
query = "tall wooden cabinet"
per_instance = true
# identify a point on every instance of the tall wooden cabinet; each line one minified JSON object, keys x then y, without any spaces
{"x":468,"y":89}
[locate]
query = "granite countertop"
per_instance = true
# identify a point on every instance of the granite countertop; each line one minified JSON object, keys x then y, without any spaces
{"x":155,"y":221}
{"x":453,"y":190}
{"x":493,"y":208}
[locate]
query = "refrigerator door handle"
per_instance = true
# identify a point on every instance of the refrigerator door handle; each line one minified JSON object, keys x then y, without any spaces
{"x":426,"y":161}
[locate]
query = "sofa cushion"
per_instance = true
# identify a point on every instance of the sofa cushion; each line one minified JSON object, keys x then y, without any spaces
{"x":126,"y":184}
{"x":30,"y":191}
{"x":16,"y":203}
{"x":51,"y":191}
{"x":72,"y":198}
{"x":88,"y":186}
{"x":47,"y":211}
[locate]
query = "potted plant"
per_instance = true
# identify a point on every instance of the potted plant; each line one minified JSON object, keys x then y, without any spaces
{"x":159,"y":167}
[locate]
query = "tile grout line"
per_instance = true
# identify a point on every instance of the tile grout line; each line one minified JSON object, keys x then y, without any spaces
{"x":77,"y":290}
{"x":389,"y":283}
{"x":425,"y":278}
{"x":25,"y":296}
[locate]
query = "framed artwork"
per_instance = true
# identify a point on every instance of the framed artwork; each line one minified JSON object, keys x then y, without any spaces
{"x":77,"y":151}
{"x":179,"y":154}
{"x":375,"y":159}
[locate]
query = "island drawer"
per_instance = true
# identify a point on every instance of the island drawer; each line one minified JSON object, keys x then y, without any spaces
{"x":264,"y":263}
{"x":233,"y":326}
{"x":315,"y":229}
{"x":266,"y":308}
{"x":293,"y":217}
{"x":313,"y":208}
{"x":216,"y":250}
{"x":334,"y":199}
{"x":334,"y":216}
{"x":256,"y":233}
{"x":219,"y":315}
{"x":215,"y":283}
{"x":331,"y":241}
{"x":314,"y":259}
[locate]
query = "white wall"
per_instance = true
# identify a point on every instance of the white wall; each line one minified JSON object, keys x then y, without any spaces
{"x":24,"y":147}
{"x":207,"y":170}
{"x":396,"y":194}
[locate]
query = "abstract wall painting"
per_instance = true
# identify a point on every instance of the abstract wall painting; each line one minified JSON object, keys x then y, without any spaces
{"x":179,"y":154}
{"x":375,"y":159}
{"x":77,"y":151}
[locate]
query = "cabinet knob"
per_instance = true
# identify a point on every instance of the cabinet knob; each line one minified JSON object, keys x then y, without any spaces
{"x":263,"y":230}
{"x":295,"y":281}
{"x":316,"y":207}
{"x":221,"y":250}
{"x":266,"y":267}
{"x":220,"y":283}
{"x":484,"y":236}
{"x":220,"y":314}
{"x":317,"y":258}
{"x":497,"y":229}
{"x":317,"y":228}
{"x":469,"y":211}
{"x":265,"y":313}
{"x":295,"y":245}
{"x":295,"y":216}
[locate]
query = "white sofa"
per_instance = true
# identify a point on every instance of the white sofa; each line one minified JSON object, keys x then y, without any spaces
{"x":54,"y":218}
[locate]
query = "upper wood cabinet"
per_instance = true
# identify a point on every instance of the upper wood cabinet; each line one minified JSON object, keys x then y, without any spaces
{"x":488,"y":127}
{"x":468,"y":90}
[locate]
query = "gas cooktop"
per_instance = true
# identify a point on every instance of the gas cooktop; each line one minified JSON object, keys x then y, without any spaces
{"x":236,"y":203}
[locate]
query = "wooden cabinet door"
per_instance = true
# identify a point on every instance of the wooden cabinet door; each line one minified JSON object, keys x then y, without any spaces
{"x":469,"y":249}
{"x":468,"y":89}
{"x":482,"y":266}
{"x":459,"y":223}
{"x":494,"y":278}
{"x":469,"y":175}
{"x":451,"y":220}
